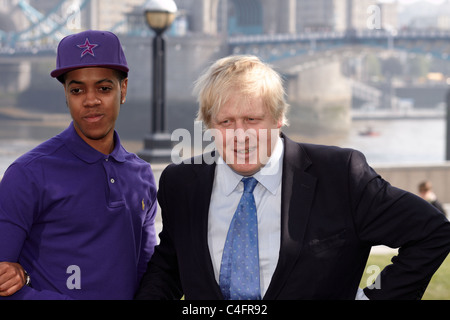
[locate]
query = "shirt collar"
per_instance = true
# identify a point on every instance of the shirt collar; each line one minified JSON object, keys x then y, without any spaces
{"x":269,"y":176}
{"x":84,"y":151}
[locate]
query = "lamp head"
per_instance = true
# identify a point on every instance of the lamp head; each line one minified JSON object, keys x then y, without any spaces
{"x":160,"y":14}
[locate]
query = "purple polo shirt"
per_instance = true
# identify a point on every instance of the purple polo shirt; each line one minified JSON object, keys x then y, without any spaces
{"x":80,"y":222}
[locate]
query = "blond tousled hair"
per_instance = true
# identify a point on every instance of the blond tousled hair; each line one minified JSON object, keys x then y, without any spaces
{"x":243,"y":75}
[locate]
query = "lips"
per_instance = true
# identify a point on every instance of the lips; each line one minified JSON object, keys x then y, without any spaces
{"x":245,"y":151}
{"x":92,"y":118}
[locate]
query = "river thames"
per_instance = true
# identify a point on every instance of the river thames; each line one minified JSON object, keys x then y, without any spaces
{"x":403,"y":141}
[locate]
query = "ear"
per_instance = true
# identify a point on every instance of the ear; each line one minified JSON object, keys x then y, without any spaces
{"x":123,"y":90}
{"x":280,"y":123}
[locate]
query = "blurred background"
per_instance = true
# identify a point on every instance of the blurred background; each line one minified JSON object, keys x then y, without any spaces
{"x":371,"y":75}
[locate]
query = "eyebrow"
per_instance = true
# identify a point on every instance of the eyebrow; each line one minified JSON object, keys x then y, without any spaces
{"x":98,"y":82}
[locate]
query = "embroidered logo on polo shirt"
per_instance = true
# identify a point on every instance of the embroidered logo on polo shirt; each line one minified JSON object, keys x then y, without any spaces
{"x":88,"y":48}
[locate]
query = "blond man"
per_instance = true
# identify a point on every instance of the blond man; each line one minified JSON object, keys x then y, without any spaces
{"x":303,"y":230}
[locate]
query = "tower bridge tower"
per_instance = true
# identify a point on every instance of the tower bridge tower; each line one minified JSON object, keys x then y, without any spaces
{"x":240,"y":16}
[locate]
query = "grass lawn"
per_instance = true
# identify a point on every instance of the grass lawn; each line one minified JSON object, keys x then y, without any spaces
{"x":438,"y":289}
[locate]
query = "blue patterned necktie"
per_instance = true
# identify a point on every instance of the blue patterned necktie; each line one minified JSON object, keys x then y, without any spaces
{"x":239,"y":271}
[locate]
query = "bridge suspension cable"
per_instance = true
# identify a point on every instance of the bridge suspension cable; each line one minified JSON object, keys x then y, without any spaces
{"x":45,"y":29}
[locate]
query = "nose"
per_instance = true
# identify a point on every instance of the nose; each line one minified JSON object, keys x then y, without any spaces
{"x":240,"y":125}
{"x":240,"y":132}
{"x":239,"y":135}
{"x":91,"y":99}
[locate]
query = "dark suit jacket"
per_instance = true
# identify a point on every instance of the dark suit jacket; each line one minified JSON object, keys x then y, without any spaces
{"x":334,"y":208}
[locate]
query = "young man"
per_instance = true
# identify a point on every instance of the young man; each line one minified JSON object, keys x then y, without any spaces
{"x":77,"y":212}
{"x":276,"y":219}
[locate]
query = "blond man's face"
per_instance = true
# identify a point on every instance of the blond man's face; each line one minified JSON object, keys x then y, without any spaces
{"x":245,"y":134}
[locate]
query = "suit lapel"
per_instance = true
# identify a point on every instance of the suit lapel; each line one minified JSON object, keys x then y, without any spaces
{"x":201,"y":190}
{"x":297,"y":194}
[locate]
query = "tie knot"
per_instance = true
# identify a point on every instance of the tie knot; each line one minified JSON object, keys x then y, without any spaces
{"x":249,"y":184}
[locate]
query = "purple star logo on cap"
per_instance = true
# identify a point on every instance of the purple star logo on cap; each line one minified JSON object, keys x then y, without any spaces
{"x":88,"y":48}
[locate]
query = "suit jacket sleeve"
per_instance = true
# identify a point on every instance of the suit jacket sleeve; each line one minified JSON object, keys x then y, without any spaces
{"x":161,"y":281}
{"x":387,"y":215}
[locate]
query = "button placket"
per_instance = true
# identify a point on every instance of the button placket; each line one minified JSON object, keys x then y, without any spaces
{"x":115,"y":197}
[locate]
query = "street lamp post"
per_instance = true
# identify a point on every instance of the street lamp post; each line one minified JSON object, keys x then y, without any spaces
{"x":159,"y":15}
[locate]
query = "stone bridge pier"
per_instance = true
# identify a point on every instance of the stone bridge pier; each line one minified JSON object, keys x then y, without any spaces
{"x":15,"y":77}
{"x":319,"y":95}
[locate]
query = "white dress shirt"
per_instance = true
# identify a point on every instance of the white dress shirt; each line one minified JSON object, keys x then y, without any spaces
{"x":226,"y":194}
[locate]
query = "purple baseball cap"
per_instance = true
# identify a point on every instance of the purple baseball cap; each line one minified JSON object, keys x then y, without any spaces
{"x":89,"y":48}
